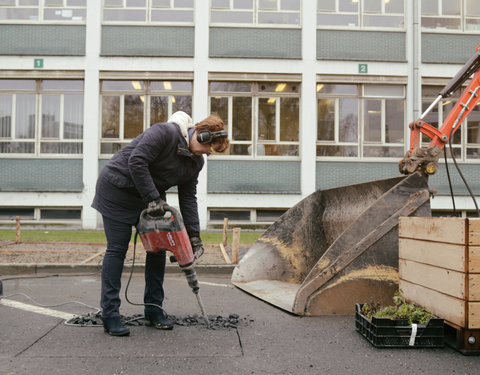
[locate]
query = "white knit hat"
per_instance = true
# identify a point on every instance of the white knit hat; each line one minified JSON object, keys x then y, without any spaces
{"x":184,"y":121}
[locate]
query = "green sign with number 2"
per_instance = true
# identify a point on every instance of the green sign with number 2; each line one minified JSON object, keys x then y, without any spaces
{"x":363,"y":68}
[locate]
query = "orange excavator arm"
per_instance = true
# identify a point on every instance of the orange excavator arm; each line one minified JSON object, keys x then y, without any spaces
{"x":426,"y":159}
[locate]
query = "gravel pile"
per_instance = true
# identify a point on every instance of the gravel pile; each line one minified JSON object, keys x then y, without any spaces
{"x":216,"y":322}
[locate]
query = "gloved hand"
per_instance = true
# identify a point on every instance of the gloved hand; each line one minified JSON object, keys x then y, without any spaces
{"x":197,"y":246}
{"x":157,"y":206}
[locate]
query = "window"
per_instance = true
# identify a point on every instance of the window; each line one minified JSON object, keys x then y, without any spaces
{"x":360,"y":121}
{"x":70,"y":11}
{"x":263,"y":118}
{"x":60,"y":214}
{"x":12,"y":213}
{"x":472,"y":15}
{"x":245,"y":216}
{"x":130,"y":107}
{"x":148,"y":11}
{"x":269,"y":215}
{"x":441,"y":14}
{"x":41,"y":117}
{"x":361,"y":13}
{"x":233,"y":215}
{"x":466,"y":140}
{"x":255,"y":12}
{"x":30,"y":214}
{"x":454,"y":15}
{"x":473,"y":133}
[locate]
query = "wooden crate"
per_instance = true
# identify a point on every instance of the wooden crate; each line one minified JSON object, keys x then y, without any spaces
{"x":439,"y":267}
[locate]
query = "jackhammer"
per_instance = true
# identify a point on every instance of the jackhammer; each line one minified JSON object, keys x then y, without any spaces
{"x":167,"y":233}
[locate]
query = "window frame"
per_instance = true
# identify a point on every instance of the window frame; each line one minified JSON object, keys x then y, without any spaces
{"x":255,"y":10}
{"x":149,"y":9}
{"x":360,"y":13}
{"x":255,"y":215}
{"x":36,"y":214}
{"x":463,"y":146}
{"x":37,"y":140}
{"x":361,"y":143}
{"x":147,"y":92}
{"x":462,"y":17}
{"x":41,"y":7}
{"x":255,"y":94}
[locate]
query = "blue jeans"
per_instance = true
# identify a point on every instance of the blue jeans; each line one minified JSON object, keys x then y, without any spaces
{"x":118,"y":237}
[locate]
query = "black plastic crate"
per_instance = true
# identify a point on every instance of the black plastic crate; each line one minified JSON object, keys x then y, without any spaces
{"x":388,"y":333}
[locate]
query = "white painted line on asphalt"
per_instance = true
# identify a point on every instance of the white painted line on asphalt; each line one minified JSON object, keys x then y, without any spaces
{"x":36,"y":309}
{"x":215,"y":284}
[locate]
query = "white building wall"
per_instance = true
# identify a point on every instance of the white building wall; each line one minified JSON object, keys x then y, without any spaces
{"x":91,"y":114}
{"x":308,"y":118}
{"x":200,"y":97}
{"x":92,"y":64}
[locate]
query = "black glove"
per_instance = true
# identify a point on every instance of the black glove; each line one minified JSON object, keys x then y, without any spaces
{"x":197,"y":246}
{"x":157,"y":206}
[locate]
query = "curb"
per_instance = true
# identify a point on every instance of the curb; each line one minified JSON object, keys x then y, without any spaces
{"x":67,"y":268}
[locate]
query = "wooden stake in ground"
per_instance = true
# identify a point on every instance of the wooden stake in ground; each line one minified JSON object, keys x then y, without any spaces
{"x":225,"y":229}
{"x":17,"y":236}
{"x":235,"y":245}
{"x":225,"y":254}
{"x":94,"y":256}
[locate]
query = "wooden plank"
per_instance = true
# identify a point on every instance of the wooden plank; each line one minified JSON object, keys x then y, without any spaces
{"x":474,"y":288}
{"x":474,"y":315}
{"x":94,"y":256}
{"x":474,"y":231}
{"x":17,"y":235}
{"x":445,"y":255}
{"x":438,"y":229}
{"x":225,"y":255}
{"x":474,"y":259}
{"x":225,"y":231}
{"x":439,"y":279}
{"x":445,"y":307}
{"x":235,"y":244}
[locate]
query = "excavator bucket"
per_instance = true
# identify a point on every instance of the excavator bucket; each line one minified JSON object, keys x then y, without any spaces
{"x":335,"y":248}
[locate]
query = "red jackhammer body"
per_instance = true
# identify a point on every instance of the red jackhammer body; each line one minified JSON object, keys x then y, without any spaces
{"x":168,"y":233}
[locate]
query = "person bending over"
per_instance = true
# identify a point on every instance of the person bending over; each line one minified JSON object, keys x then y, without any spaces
{"x":137,"y":177}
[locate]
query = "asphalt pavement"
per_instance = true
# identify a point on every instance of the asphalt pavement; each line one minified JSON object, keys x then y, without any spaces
{"x":266,"y":340}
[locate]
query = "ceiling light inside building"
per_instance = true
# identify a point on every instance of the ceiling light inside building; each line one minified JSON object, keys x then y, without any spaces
{"x":136,"y":85}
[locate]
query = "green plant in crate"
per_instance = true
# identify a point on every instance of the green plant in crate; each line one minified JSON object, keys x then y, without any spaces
{"x":400,"y":310}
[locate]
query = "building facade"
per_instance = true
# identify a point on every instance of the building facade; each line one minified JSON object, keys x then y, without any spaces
{"x":315,"y":94}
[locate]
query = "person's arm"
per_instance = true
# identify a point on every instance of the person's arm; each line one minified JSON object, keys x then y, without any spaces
{"x":187,"y":197}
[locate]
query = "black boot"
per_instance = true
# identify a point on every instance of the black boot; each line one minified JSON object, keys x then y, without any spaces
{"x":114,"y":326}
{"x":158,"y":319}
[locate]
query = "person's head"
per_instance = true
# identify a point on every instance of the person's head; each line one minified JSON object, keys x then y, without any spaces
{"x":212,"y":124}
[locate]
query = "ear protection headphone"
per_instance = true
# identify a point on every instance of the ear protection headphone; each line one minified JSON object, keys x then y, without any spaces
{"x":205,"y":137}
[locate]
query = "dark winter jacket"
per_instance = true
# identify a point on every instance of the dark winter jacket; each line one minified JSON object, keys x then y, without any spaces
{"x":153,"y":162}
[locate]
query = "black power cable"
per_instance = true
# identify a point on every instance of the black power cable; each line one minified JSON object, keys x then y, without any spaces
{"x":460,"y":172}
{"x":449,"y":181}
{"x":130,"y":278}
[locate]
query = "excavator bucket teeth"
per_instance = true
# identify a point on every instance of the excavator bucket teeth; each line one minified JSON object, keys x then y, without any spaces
{"x":335,"y":248}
